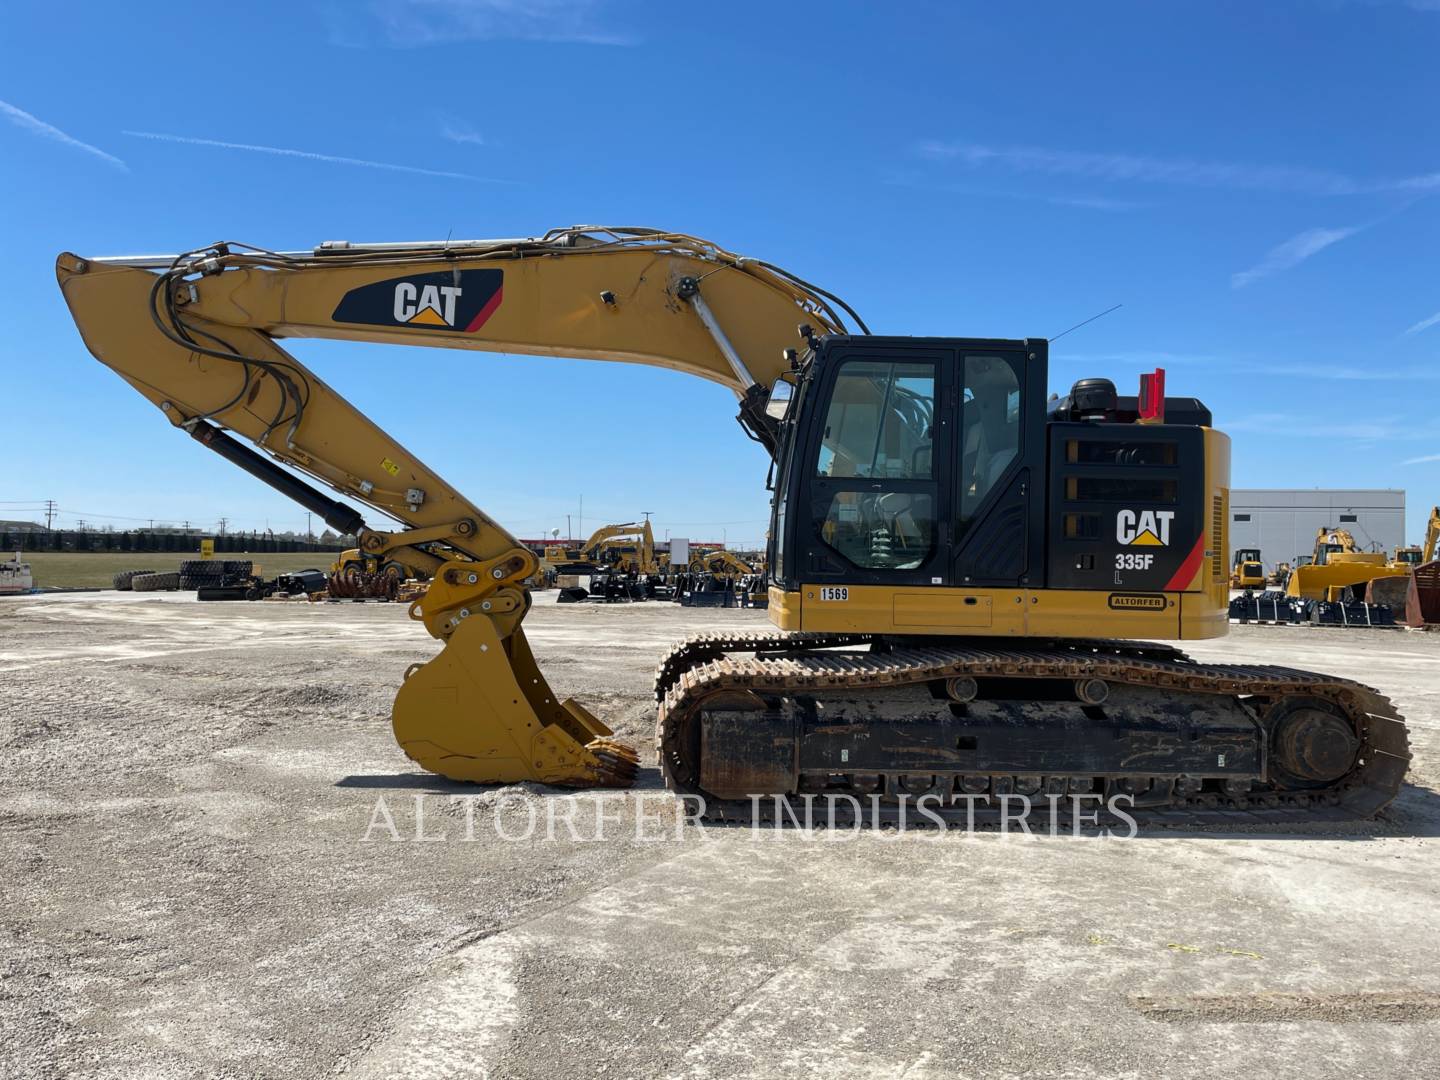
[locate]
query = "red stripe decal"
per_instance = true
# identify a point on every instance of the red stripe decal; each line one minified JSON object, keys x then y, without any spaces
{"x":1187,"y":570}
{"x":485,"y":312}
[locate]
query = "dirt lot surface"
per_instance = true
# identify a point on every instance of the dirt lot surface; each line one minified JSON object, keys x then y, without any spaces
{"x":188,"y":891}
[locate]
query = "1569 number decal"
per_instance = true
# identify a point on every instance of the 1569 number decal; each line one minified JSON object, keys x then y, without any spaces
{"x":834,"y":592}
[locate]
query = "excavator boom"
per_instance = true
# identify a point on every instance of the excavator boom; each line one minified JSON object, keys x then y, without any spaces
{"x":197,"y":334}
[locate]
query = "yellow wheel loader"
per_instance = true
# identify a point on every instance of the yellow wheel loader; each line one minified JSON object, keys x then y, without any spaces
{"x":1338,"y":564}
{"x":970,"y":584}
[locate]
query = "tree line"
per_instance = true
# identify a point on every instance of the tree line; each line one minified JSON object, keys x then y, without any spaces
{"x":72,"y":540}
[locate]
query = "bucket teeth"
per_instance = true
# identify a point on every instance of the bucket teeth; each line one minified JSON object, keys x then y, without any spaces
{"x":618,"y":762}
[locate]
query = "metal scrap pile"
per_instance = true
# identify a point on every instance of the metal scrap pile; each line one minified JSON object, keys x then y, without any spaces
{"x":352,"y":583}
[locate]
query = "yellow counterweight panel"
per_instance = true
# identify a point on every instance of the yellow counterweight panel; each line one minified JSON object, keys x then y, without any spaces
{"x":1213,"y":577}
{"x":1069,"y":613}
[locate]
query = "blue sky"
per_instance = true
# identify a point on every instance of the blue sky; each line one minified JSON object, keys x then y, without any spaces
{"x":1256,"y":184}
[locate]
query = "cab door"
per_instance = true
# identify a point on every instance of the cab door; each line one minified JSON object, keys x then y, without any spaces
{"x":877,"y":466}
{"x":999,"y":460}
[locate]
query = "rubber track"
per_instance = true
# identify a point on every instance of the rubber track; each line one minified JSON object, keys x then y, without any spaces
{"x":690,"y":674}
{"x":691,"y":653}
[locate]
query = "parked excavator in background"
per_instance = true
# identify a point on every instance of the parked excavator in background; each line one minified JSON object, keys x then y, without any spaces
{"x":959,"y":566}
{"x":634,"y":555}
{"x":1246,"y":571}
{"x":721,"y":563}
{"x":590,"y":557}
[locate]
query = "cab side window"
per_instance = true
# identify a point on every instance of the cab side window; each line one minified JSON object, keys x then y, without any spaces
{"x":989,"y":428}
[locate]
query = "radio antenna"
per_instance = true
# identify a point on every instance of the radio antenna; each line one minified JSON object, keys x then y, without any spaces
{"x":1091,"y":319}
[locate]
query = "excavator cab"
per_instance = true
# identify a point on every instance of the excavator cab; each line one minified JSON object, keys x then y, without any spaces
{"x":912,"y":463}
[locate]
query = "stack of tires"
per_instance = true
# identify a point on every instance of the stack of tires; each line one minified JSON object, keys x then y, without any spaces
{"x":208,"y":573}
{"x":124,"y":577}
{"x":153,"y":582}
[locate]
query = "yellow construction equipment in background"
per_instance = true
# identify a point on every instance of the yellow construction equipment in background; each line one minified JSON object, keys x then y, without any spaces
{"x":1247,"y":572}
{"x":1338,"y":564}
{"x":721,"y":563}
{"x":634,"y":554}
{"x":1424,"y":552}
{"x":605,"y":548}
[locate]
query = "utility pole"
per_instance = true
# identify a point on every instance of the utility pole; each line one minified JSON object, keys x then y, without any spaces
{"x":569,"y":535}
{"x":308,"y":534}
{"x":647,"y":514}
{"x":49,"y":512}
{"x":223,"y":523}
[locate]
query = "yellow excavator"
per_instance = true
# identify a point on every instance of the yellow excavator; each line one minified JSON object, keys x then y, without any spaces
{"x":634,"y":554}
{"x":591,"y":554}
{"x":958,"y":567}
{"x":722,"y":563}
{"x":1432,"y":536}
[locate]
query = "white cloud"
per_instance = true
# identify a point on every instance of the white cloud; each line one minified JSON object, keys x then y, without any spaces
{"x":435,"y":22}
{"x":1424,"y":324}
{"x":1138,"y":359}
{"x":461,"y":133}
{"x":36,"y":126}
{"x":1144,"y":169}
{"x":1091,"y":202}
{"x":1345,"y":372}
{"x":1421,"y":460}
{"x":1295,"y":426}
{"x":1292,"y":253}
{"x":307,"y":155}
{"x":908,"y":179}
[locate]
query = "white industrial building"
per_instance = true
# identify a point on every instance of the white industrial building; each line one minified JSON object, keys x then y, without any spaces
{"x":1282,"y":522}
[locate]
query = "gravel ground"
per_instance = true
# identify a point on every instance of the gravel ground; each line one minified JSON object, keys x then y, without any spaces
{"x":189,"y":890}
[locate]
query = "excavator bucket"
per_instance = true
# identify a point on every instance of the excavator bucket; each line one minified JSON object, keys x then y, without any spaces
{"x":1414,"y":598}
{"x":481,"y":711}
{"x":1422,"y":601}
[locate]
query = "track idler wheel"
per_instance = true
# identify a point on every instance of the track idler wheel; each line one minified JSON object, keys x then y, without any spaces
{"x":1311,"y":741}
